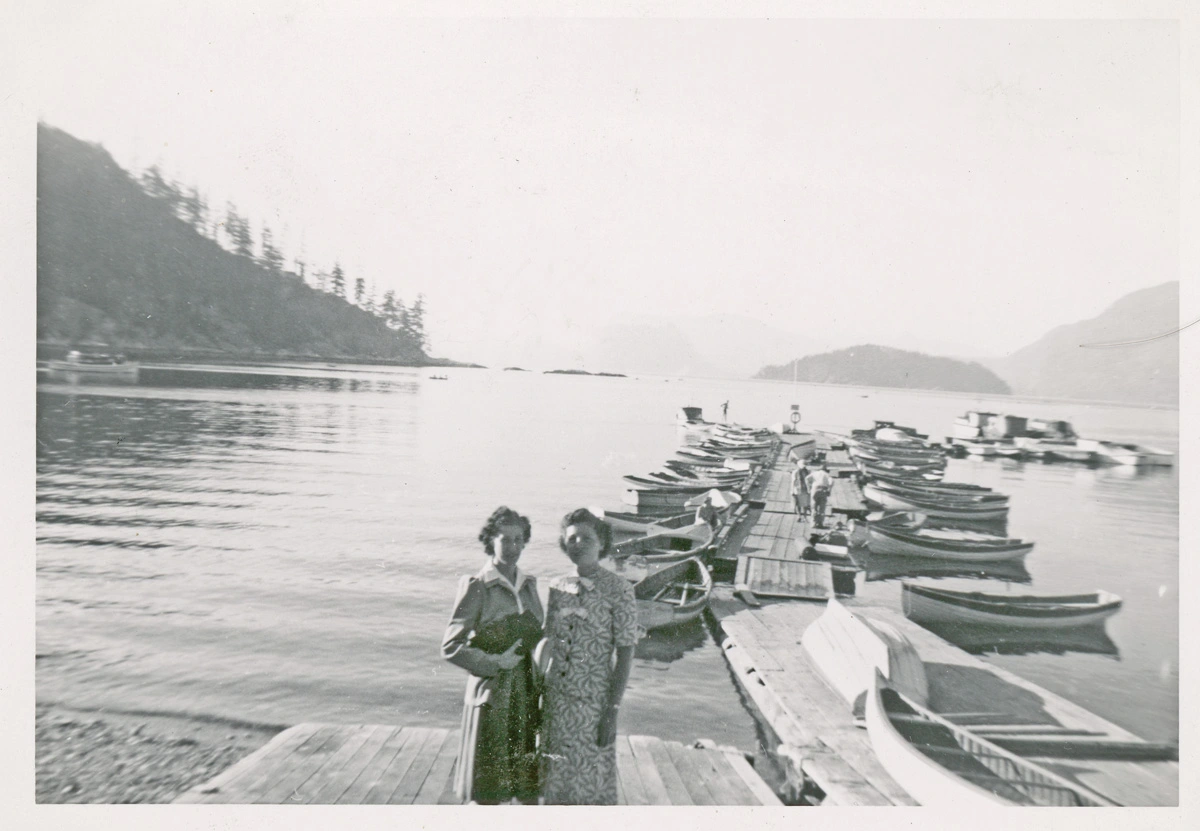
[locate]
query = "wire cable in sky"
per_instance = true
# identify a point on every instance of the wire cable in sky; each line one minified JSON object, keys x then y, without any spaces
{"x":1132,"y":342}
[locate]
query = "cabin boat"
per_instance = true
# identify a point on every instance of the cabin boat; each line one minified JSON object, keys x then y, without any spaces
{"x":928,"y":604}
{"x":93,"y":367}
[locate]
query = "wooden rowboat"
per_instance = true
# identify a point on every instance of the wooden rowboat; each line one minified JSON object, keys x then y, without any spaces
{"x":884,"y":539}
{"x":942,"y":764}
{"x":847,"y":649}
{"x":673,"y":595}
{"x":628,"y":524}
{"x":932,"y":506}
{"x":926,"y":604}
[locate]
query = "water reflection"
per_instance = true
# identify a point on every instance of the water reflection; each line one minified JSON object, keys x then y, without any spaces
{"x":672,"y":643}
{"x":995,"y":640}
{"x":883,"y":567}
{"x":285,"y":379}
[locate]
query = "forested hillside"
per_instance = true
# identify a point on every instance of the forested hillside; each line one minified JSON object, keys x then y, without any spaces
{"x":139,"y":264}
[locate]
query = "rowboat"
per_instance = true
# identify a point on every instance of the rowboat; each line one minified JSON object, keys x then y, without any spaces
{"x":926,"y":604}
{"x":933,"y":507}
{"x":657,"y":484}
{"x":931,"y":485}
{"x":673,"y":595}
{"x":889,"y":468}
{"x":93,"y":367}
{"x":944,"y":546}
{"x":942,"y":764}
{"x":655,"y":501}
{"x":948,"y":495}
{"x":1118,"y":453}
{"x":847,"y":649}
{"x":623,"y":523}
{"x":668,"y":544}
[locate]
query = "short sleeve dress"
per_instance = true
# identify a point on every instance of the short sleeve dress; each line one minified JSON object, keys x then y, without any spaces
{"x":586,"y":620}
{"x":498,"y":757}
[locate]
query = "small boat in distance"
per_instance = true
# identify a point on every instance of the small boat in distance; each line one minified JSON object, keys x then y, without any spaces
{"x":1120,"y":453}
{"x":96,"y":367}
{"x":926,"y":604}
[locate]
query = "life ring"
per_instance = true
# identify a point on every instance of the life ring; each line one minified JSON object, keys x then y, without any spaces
{"x":795,"y":417}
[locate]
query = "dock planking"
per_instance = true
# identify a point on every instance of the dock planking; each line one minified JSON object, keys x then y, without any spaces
{"x":326,"y":764}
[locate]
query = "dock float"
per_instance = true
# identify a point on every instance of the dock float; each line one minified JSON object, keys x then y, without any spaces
{"x":328,"y":764}
{"x":825,"y":749}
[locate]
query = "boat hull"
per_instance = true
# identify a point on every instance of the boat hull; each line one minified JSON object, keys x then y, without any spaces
{"x":889,"y":541}
{"x":925,"y":604}
{"x":673,"y":595}
{"x":933,"y":509}
{"x":70,"y":372}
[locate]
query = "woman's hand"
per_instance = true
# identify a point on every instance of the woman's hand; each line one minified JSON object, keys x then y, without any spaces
{"x":606,"y":734}
{"x":509,"y":658}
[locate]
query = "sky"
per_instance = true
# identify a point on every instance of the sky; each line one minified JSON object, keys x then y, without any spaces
{"x":953,"y":183}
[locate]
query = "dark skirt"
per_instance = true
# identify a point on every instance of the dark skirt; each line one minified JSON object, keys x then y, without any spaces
{"x":498,"y":757}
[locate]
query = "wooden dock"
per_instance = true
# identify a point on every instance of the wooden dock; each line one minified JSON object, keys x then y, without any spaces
{"x":328,"y":764}
{"x":819,"y":737}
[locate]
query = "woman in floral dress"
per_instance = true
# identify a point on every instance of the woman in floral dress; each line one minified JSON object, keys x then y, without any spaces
{"x":495,"y":626}
{"x":590,"y":615}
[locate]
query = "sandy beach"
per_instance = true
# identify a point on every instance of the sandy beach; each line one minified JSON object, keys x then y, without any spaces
{"x":103,"y":757}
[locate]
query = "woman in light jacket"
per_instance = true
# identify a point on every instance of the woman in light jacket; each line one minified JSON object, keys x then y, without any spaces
{"x":495,"y":627}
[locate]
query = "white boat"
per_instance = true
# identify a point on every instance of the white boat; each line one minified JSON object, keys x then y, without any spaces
{"x":93,"y":367}
{"x":941,"y":764}
{"x":638,"y":525}
{"x":928,"y":604}
{"x":1120,"y":453}
{"x":847,"y":649}
{"x":673,"y":595}
{"x":1066,"y":450}
{"x":930,"y":544}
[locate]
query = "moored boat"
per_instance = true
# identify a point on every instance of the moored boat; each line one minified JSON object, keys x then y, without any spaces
{"x":673,"y":595}
{"x":1120,"y":453}
{"x":928,"y":604}
{"x":942,"y":764}
{"x":927,"y":543}
{"x":95,"y":367}
{"x":934,"y":507}
{"x":847,"y":649}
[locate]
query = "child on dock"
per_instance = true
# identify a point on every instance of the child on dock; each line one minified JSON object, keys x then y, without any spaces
{"x":800,"y":489}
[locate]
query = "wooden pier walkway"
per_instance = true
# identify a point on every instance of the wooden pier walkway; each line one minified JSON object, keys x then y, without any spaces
{"x":328,"y":764}
{"x":820,"y":739}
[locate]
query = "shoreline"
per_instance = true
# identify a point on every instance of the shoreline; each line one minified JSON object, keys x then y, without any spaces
{"x":103,"y":757}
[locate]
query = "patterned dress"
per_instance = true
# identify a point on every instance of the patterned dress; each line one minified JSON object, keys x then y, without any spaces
{"x":586,"y":620}
{"x":497,"y":757}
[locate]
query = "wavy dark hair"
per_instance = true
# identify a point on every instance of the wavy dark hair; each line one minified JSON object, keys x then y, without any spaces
{"x":582,"y":516}
{"x":502,"y":516}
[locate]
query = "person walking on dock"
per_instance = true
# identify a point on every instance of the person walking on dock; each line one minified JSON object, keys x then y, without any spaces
{"x":725,"y":411}
{"x":800,"y":489}
{"x":820,"y":483}
{"x":495,"y":626}
{"x":590,"y":615}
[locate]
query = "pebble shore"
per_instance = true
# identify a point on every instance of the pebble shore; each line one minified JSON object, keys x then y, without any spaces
{"x":101,"y":757}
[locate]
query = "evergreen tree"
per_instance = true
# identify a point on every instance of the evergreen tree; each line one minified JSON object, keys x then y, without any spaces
{"x":387,"y":309}
{"x":414,"y":322}
{"x":271,"y":258}
{"x":360,"y":290}
{"x":337,"y":281}
{"x":238,"y":230}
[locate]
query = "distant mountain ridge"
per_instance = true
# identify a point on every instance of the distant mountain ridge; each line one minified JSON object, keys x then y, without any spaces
{"x":883,"y":366}
{"x":1128,"y":353}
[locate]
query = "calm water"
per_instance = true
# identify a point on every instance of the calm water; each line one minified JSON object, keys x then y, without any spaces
{"x":283,"y":545}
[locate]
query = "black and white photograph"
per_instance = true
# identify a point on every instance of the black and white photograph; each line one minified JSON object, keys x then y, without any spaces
{"x":662,"y":404}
